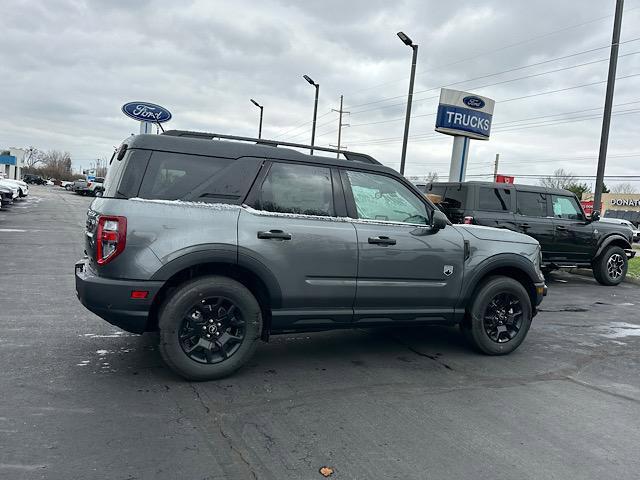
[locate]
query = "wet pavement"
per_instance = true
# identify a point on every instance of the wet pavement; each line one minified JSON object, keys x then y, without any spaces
{"x":80,"y":399}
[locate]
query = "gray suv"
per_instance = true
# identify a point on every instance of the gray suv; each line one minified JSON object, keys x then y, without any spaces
{"x":219,"y":241}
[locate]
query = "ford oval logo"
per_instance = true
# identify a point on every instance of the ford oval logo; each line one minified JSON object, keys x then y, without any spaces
{"x":473,"y":102}
{"x":146,"y":112}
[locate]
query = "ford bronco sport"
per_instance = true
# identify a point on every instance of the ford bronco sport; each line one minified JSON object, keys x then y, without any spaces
{"x":217,"y":241}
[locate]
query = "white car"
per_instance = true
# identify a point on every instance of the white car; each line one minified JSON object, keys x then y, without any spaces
{"x":622,"y":221}
{"x":23,"y":188}
{"x":14,"y":188}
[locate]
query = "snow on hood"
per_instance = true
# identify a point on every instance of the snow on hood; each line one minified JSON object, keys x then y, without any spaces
{"x":496,"y":234}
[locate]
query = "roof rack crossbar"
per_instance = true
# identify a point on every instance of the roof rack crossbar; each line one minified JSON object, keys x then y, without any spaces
{"x":353,"y":156}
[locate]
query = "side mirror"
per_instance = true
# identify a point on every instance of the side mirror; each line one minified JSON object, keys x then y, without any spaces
{"x":438,"y":220}
{"x":595,"y":216}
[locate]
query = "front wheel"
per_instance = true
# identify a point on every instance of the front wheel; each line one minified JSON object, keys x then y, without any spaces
{"x":610,"y":268}
{"x":209,"y":328}
{"x":499,"y":317}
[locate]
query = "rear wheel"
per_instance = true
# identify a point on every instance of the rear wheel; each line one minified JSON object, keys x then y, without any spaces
{"x":209,"y":328}
{"x":610,"y":268}
{"x":499,"y":316}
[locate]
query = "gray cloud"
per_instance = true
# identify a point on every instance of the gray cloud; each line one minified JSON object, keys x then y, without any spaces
{"x":66,"y":67}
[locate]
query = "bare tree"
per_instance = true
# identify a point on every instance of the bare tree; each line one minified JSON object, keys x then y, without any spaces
{"x":559,"y":179}
{"x":32,"y":157}
{"x":624,"y":188}
{"x":432,"y":177}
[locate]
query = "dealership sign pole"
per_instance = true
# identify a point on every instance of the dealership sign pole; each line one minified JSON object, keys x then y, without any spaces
{"x":465,"y":116}
{"x":148,"y":114}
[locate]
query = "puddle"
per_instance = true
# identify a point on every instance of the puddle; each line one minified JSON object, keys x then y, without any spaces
{"x":620,"y":330}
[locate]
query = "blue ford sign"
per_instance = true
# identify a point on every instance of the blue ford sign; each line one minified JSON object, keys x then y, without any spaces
{"x":464,"y":114}
{"x":473,"y":102}
{"x":146,"y":112}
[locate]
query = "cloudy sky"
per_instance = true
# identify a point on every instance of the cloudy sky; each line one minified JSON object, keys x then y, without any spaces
{"x":66,"y":67}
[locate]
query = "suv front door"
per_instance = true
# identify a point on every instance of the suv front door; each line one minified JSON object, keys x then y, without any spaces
{"x":574,"y":241}
{"x":293,"y":231}
{"x":406,"y":271}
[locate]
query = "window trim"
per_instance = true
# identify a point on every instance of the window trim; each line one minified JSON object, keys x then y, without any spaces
{"x":351,"y":203}
{"x":254,"y":191}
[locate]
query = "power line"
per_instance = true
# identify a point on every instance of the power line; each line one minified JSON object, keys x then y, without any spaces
{"x":521,"y":42}
{"x":491,"y":84}
{"x":298,"y":126}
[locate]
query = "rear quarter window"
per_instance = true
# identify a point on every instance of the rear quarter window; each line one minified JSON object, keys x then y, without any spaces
{"x":494,"y":199}
{"x":124,"y":176}
{"x":173,"y":176}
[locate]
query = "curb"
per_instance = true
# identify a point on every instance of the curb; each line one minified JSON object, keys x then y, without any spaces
{"x":584,"y":272}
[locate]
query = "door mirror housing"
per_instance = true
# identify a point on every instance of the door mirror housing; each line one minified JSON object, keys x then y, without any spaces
{"x":438,"y":220}
{"x":595,"y":216}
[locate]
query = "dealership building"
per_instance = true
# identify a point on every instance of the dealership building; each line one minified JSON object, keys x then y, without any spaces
{"x":618,"y":205}
{"x":11,"y":162}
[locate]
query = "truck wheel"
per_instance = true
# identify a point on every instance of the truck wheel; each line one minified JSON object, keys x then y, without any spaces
{"x":209,"y":328}
{"x":499,"y":317}
{"x":610,"y":268}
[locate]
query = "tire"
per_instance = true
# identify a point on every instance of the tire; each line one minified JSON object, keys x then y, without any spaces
{"x":476,"y":329}
{"x":610,"y":268}
{"x":175,"y":320}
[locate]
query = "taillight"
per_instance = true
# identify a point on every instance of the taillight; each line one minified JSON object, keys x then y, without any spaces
{"x":88,"y":184}
{"x":468,"y":220}
{"x":111,"y":238}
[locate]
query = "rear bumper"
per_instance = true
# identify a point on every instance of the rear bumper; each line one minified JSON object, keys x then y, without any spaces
{"x":111,"y":299}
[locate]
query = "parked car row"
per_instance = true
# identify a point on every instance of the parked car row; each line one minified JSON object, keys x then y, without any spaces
{"x":11,"y":191}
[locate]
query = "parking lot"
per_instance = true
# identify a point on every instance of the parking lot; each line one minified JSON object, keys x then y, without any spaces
{"x":81,"y":399}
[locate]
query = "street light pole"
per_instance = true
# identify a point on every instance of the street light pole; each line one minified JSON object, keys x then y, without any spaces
{"x":261,"y":109}
{"x":315,"y":110}
{"x":407,"y":41}
{"x":608,"y":104}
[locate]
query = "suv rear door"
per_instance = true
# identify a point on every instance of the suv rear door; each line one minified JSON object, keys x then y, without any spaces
{"x":406,"y":272}
{"x":294,"y":230}
{"x":574,"y":240}
{"x":533,"y":218}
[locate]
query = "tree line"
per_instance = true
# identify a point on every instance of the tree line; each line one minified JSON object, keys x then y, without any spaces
{"x":568,"y":181}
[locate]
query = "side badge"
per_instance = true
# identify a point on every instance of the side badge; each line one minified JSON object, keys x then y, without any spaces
{"x":448,"y":270}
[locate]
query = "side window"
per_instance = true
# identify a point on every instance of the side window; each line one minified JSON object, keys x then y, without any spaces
{"x":566,"y":207}
{"x":495,"y":199}
{"x":378,"y":197}
{"x":532,"y":204}
{"x":301,"y":189}
{"x":171,"y":176}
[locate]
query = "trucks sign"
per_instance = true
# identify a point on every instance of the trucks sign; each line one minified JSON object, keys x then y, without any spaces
{"x":464,"y":114}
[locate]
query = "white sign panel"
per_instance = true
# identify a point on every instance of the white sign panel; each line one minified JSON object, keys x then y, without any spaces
{"x":464,"y":114}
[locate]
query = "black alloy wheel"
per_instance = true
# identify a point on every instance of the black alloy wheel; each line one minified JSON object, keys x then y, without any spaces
{"x":212,"y":330}
{"x":503,"y":317}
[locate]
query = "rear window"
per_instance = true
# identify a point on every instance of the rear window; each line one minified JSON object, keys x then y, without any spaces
{"x":172,"y":176}
{"x":124,"y":176}
{"x":494,"y":199}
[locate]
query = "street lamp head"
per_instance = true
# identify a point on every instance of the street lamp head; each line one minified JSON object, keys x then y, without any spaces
{"x":255,"y":103}
{"x":405,"y":39}
{"x":308,"y":79}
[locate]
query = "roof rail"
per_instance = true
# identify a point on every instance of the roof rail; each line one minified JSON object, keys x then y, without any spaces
{"x":352,"y":156}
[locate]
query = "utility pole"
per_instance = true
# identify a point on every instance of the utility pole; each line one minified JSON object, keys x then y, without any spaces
{"x":495,"y":168}
{"x":608,"y":103}
{"x":340,"y":124}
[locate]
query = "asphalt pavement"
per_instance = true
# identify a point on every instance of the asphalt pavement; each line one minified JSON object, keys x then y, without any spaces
{"x":80,"y":399}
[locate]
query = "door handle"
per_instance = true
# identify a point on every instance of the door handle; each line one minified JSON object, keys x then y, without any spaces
{"x":382,"y":240}
{"x":274,"y":234}
{"x":525,"y":225}
{"x":560,"y":227}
